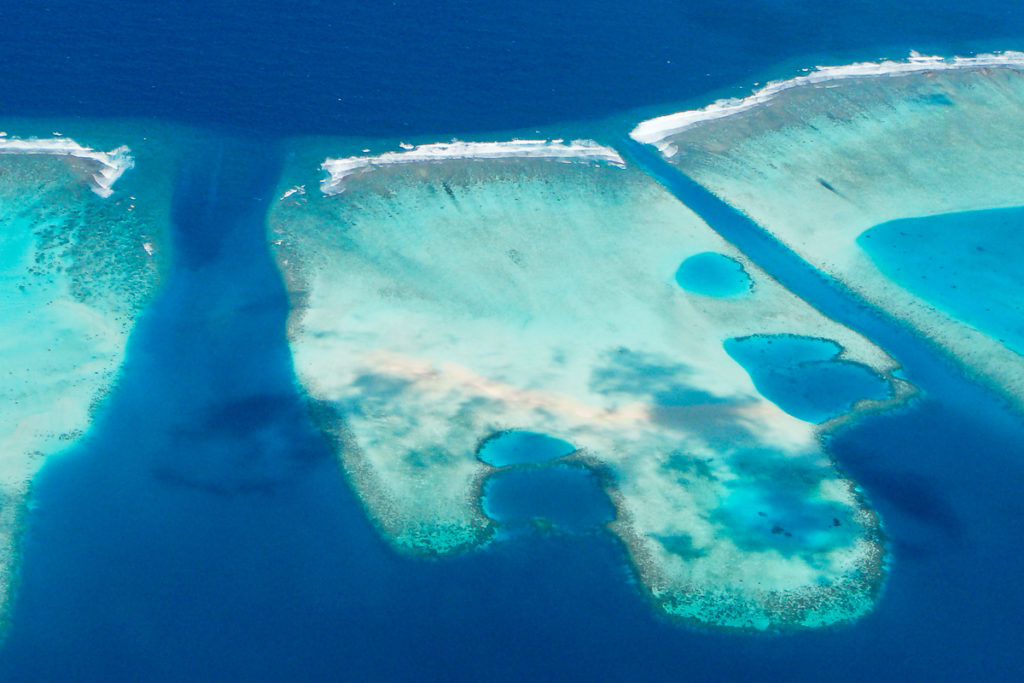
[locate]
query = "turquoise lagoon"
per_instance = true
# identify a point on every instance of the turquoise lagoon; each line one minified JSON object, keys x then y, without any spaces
{"x":517,"y":447}
{"x":713,"y":274}
{"x":967,"y":264}
{"x":805,"y":376}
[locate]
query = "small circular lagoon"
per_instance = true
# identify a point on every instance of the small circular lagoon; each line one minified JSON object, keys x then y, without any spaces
{"x":713,"y":274}
{"x":521,"y":447}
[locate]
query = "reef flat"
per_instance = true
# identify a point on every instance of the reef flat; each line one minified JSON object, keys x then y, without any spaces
{"x":441,"y":301}
{"x":78,"y":260}
{"x":879,"y":174}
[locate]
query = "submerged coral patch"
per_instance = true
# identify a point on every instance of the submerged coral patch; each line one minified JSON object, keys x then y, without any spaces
{"x":769,"y":509}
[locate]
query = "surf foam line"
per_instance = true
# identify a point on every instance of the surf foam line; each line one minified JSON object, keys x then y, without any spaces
{"x":102,"y":169}
{"x":574,"y":151}
{"x":656,"y":131}
{"x":925,"y":364}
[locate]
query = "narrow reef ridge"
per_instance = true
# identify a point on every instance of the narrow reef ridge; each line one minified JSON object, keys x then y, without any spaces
{"x":78,"y":266}
{"x":828,"y":162}
{"x":100,"y":169}
{"x":657,"y":131}
{"x":441,"y":301}
{"x":575,"y":151}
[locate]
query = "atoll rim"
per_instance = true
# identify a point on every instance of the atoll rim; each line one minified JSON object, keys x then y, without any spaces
{"x":449,"y":306}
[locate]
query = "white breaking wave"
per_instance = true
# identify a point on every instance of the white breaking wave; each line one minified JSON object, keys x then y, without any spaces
{"x":656,"y":131}
{"x":574,"y":151}
{"x":102,"y":169}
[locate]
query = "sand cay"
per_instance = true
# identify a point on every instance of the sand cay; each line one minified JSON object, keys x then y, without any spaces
{"x":439,"y":302}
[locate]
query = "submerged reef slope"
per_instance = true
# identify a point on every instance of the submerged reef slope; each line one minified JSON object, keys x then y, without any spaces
{"x":836,"y":163}
{"x":77,"y":262}
{"x":440,"y":301}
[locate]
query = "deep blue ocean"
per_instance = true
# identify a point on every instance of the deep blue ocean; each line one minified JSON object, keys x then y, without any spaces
{"x":203,"y":531}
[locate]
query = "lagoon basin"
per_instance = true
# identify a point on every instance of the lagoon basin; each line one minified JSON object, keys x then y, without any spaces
{"x":805,"y":375}
{"x":965,"y":263}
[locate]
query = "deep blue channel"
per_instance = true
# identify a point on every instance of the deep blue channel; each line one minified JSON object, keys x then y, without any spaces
{"x":399,"y":68}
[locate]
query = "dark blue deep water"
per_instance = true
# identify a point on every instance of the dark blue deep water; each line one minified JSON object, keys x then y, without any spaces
{"x":202,"y":530}
{"x":400,"y":66}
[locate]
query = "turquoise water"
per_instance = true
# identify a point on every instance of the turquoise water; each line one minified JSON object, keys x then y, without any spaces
{"x":517,"y":447}
{"x":781,"y":350}
{"x":558,"y":497}
{"x":969,"y":264}
{"x":713,"y":274}
{"x":804,"y":376}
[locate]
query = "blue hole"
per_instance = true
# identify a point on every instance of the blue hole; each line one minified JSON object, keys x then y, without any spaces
{"x":804,"y":377}
{"x":967,"y":264}
{"x":568,"y":497}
